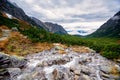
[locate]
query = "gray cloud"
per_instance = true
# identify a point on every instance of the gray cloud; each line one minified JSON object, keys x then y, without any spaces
{"x":71,"y":13}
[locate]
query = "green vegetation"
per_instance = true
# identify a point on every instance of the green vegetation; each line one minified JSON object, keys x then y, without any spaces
{"x":108,"y":47}
{"x":8,"y":22}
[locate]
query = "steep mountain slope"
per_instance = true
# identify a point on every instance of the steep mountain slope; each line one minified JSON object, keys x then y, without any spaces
{"x":40,"y":23}
{"x":55,"y":28}
{"x":109,"y":29}
{"x":17,"y":12}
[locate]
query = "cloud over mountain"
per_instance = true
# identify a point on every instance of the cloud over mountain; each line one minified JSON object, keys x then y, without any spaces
{"x":72,"y":14}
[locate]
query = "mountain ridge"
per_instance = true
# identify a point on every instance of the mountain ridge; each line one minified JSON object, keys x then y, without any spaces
{"x":111,"y":28}
{"x":17,"y":12}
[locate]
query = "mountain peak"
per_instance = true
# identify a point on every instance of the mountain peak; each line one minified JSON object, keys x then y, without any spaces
{"x":14,"y":10}
{"x":109,"y":29}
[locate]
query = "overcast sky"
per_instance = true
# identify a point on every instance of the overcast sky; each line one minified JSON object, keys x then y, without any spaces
{"x":73,"y":15}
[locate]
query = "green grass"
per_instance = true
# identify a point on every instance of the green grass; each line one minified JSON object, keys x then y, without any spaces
{"x":108,"y":47}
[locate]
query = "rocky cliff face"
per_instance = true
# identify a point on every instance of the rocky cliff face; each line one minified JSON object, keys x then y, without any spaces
{"x":40,"y":23}
{"x":109,"y":29}
{"x":17,"y":12}
{"x":55,"y":28}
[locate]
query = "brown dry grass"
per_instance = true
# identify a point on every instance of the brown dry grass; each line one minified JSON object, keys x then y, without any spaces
{"x":115,"y":71}
{"x":81,"y":49}
{"x":62,"y":46}
{"x":4,"y":15}
{"x":20,"y":45}
{"x":3,"y":27}
{"x":3,"y":44}
{"x":118,"y":41}
{"x":0,"y":33}
{"x":61,"y":51}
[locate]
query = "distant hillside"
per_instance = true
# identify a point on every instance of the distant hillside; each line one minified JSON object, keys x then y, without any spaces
{"x":55,"y":28}
{"x":109,"y":29}
{"x":14,"y":10}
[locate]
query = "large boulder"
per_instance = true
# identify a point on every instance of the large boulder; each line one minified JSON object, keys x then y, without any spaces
{"x":7,"y":62}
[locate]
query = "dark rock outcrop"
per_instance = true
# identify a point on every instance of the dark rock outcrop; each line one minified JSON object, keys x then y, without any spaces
{"x":6,"y":62}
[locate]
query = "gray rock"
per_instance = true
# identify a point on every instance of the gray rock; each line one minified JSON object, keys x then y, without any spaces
{"x":86,"y":70}
{"x":59,"y":48}
{"x":25,"y":77}
{"x":76,"y":77}
{"x":106,"y":68}
{"x":14,"y":29}
{"x":118,"y":68}
{"x":118,"y":60}
{"x":18,"y":61}
{"x":105,"y":75}
{"x":84,"y":77}
{"x":77,"y":72}
{"x":4,"y":61}
{"x":14,"y":72}
{"x":8,"y":64}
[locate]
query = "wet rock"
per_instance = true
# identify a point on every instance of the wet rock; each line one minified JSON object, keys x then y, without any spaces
{"x":59,"y":48}
{"x":86,"y":70}
{"x":7,"y":61}
{"x":84,"y":77}
{"x":55,"y":74}
{"x":77,"y":72}
{"x":18,"y":61}
{"x":4,"y":61}
{"x":76,"y":77}
{"x":106,"y":68}
{"x":4,"y":74}
{"x":104,"y":75}
{"x":118,"y":61}
{"x":82,"y":60}
{"x":117,"y":68}
{"x":45,"y":63}
{"x":9,"y":65}
{"x":14,"y":72}
{"x":25,"y":77}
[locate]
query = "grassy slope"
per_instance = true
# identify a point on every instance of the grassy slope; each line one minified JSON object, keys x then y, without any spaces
{"x":108,"y":47}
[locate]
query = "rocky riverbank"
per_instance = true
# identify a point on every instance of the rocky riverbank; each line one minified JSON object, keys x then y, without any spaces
{"x":7,"y":63}
{"x":52,"y":65}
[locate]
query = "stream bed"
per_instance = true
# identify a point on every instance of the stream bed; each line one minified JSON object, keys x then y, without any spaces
{"x":51,"y":65}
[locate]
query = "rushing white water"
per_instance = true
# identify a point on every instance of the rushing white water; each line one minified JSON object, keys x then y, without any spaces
{"x":54,"y":66}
